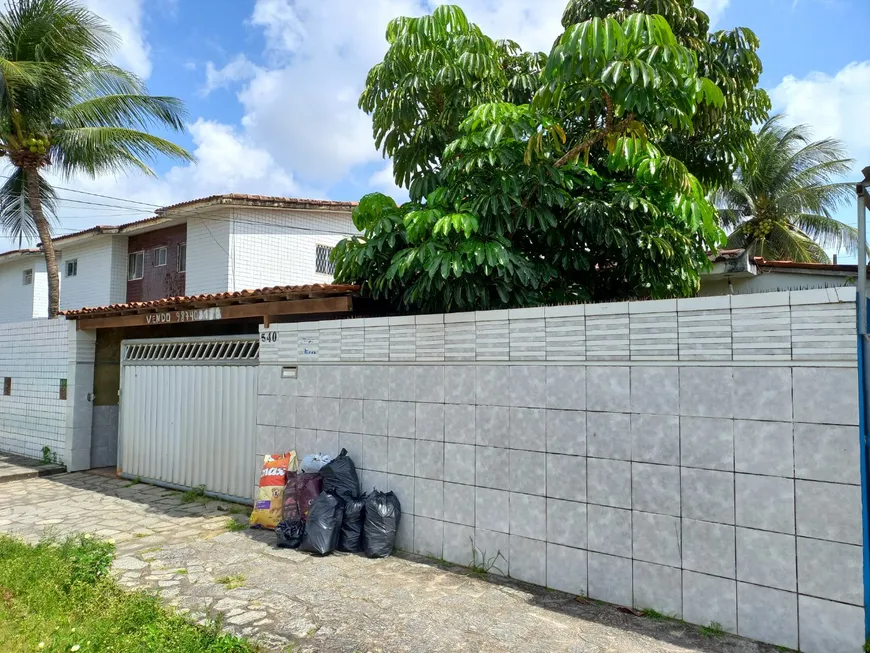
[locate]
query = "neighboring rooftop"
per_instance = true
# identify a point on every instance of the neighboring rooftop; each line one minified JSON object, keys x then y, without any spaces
{"x":229,"y":199}
{"x":259,"y":201}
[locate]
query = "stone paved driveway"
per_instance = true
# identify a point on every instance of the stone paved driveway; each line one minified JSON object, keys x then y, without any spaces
{"x":290,"y":601}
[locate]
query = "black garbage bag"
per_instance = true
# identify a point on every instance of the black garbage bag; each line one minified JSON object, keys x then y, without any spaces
{"x":351,"y":540}
{"x":323,"y":526}
{"x":340,"y":476}
{"x":289,"y":533}
{"x":383,"y":512}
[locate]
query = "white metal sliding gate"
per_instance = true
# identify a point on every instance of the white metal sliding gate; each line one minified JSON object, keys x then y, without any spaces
{"x":189,"y":412}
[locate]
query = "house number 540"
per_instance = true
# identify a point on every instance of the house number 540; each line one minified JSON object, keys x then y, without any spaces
{"x":269,"y":336}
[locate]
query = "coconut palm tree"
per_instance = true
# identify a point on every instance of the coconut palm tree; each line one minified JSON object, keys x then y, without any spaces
{"x":781,"y":202}
{"x":65,"y":109}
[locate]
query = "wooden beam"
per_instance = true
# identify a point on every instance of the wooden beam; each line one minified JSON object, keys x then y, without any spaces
{"x":343,"y":304}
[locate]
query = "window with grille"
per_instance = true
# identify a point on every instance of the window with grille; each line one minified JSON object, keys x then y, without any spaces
{"x":72,"y":267}
{"x":182,"y":257}
{"x":27,"y":277}
{"x":322,"y":263}
{"x":7,"y":386}
{"x":136,"y":266}
{"x":159,"y":256}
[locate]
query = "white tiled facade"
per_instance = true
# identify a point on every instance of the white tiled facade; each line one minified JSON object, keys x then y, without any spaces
{"x":208,"y":246}
{"x":277,"y":247}
{"x":699,"y":457}
{"x":23,"y":302}
{"x":34,"y":354}
{"x":101,"y":273}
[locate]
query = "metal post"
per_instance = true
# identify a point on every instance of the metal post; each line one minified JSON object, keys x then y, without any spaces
{"x":861,"y":192}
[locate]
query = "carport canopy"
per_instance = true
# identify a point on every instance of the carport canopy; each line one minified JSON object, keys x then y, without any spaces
{"x":266,"y":305}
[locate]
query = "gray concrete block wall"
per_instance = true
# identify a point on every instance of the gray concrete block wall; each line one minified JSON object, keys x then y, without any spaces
{"x":720,"y":491}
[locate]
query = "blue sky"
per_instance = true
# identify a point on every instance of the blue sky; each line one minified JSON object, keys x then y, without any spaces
{"x":271,"y":87}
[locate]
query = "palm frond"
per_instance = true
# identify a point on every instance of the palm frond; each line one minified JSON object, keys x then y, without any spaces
{"x":787,"y":243}
{"x":103,"y":78}
{"x":100,"y":150}
{"x":827,"y":231}
{"x":16,"y":218}
{"x":128,"y":111}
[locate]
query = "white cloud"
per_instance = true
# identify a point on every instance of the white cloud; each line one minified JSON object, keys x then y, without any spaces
{"x":713,"y":8}
{"x":305,"y":105}
{"x":383,"y":181}
{"x":833,"y":106}
{"x":534,"y":25}
{"x":238,"y":69}
{"x":226,"y":163}
{"x":125,"y":17}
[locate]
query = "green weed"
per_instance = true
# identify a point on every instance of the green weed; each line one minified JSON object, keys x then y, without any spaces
{"x":135,"y":481}
{"x":234,"y":525}
{"x":59,"y":596}
{"x":182,"y":572}
{"x":655,"y":615}
{"x":195,"y":495}
{"x":231,"y":582}
{"x":713,"y":630}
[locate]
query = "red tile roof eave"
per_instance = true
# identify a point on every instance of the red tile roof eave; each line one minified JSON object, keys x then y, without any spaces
{"x":258,"y":200}
{"x":171,"y":303}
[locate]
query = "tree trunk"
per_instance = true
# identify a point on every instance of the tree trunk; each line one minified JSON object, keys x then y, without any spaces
{"x":47,"y":245}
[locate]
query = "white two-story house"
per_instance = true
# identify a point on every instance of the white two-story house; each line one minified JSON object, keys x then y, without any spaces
{"x":210,"y":245}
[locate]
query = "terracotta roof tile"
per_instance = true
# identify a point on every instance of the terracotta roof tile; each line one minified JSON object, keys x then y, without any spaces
{"x":258,"y":200}
{"x":170,"y":303}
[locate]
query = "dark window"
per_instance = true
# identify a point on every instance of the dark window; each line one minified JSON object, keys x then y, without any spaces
{"x":159,"y":256}
{"x":136,"y":266}
{"x":322,"y":264}
{"x":182,"y":257}
{"x":62,"y":389}
{"x":27,"y":277}
{"x":72,"y":267}
{"x":7,"y":385}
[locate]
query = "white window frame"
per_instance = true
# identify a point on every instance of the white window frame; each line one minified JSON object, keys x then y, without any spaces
{"x":72,"y":264}
{"x":157,"y":251}
{"x":181,"y":264}
{"x":329,"y":264}
{"x":138,"y":267}
{"x":27,"y":277}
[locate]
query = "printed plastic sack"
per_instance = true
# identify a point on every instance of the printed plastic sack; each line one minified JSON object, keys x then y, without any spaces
{"x":314,"y":461}
{"x":351,"y":540}
{"x":323,"y":528}
{"x":268,"y":505}
{"x":383,"y":512}
{"x":308,"y":488}
{"x":340,"y":476}
{"x":291,"y":510}
{"x":290,"y":533}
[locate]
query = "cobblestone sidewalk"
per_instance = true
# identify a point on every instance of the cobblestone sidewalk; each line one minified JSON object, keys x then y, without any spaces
{"x":287,"y":600}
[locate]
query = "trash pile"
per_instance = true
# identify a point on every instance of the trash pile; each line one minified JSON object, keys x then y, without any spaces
{"x":317,"y":506}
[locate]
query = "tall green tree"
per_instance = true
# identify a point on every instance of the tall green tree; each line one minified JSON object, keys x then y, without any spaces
{"x":781,"y":201}
{"x":65,"y":108}
{"x":560,"y":182}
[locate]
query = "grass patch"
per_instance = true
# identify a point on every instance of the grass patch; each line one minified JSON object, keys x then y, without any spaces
{"x":135,"y":481}
{"x":231,"y":582}
{"x":58,"y":596}
{"x":195,"y":495}
{"x":237,"y":510}
{"x":655,"y":615}
{"x":235,"y":525}
{"x":713,"y":630}
{"x":182,"y":572}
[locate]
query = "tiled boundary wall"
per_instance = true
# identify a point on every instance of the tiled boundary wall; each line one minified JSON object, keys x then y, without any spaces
{"x":34,"y":355}
{"x":699,"y":457}
{"x":37,"y":355}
